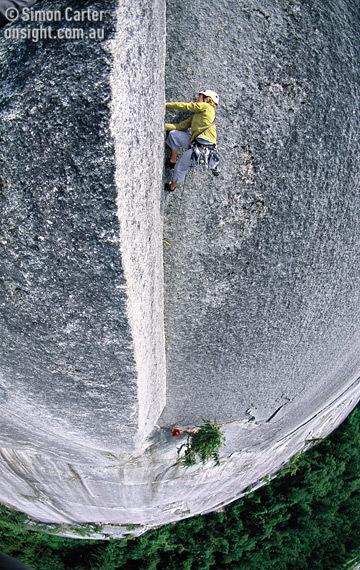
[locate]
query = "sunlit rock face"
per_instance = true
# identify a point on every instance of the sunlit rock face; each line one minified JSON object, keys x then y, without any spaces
{"x":262,"y":279}
{"x":82,"y":354}
{"x":261,"y":276}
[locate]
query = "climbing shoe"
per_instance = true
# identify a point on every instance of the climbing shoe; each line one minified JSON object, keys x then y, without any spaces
{"x":170,"y":164}
{"x":168,"y":187}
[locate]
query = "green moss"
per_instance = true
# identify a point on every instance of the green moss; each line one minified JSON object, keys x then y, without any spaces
{"x":132,"y":526}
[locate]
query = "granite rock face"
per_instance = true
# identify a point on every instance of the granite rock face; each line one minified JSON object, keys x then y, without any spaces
{"x":262,"y":294}
{"x":73,"y":347}
{"x":261,"y":276}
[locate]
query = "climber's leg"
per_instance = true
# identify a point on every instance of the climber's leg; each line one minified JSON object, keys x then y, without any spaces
{"x":176,"y":140}
{"x":181,"y":167}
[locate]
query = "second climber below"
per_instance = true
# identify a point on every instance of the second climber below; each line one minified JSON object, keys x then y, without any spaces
{"x":203,"y":133}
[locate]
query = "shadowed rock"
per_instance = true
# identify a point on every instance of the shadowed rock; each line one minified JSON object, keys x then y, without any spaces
{"x":82,"y":355}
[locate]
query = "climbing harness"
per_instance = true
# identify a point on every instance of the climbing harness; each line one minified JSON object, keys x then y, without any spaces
{"x":206,"y":156}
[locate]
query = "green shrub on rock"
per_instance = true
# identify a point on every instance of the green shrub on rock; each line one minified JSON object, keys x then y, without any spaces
{"x":203,"y":444}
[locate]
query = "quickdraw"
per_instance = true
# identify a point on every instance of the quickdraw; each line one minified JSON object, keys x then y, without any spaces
{"x":205,"y":156}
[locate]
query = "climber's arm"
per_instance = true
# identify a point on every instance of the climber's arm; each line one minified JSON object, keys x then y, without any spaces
{"x":182,"y":126}
{"x":192,"y":107}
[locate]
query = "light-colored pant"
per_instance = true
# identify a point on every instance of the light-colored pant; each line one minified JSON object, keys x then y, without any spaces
{"x":176,"y":140}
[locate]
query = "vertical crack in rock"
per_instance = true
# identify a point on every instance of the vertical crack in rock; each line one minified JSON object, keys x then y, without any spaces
{"x":81,"y":289}
{"x":137,"y":84}
{"x":261,"y":276}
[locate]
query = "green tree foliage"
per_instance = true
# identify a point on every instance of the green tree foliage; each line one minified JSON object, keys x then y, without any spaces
{"x":306,"y":518}
{"x":203,"y":444}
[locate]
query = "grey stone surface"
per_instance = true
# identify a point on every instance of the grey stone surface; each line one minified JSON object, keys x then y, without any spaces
{"x":72,"y":351}
{"x":148,"y":490}
{"x":262,"y":276}
{"x":137,"y":119}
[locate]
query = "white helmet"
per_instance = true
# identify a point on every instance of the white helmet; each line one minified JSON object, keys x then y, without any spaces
{"x":214,"y":96}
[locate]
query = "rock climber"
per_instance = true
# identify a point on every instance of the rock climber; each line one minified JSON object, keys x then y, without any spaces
{"x":177,"y":431}
{"x":203,"y":133}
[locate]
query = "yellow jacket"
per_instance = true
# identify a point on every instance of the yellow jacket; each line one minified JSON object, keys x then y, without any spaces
{"x":203,"y":116}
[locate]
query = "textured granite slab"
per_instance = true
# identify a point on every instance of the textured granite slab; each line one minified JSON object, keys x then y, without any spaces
{"x":82,"y":353}
{"x":262,"y":276}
